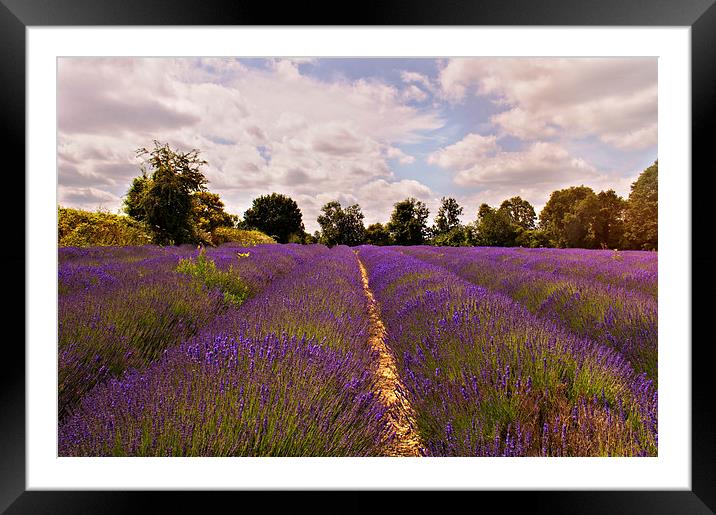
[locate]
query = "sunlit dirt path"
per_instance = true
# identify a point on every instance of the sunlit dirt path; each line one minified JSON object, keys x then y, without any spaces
{"x":400,"y":414}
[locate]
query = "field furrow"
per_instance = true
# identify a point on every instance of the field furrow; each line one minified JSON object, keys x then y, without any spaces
{"x":403,"y":439}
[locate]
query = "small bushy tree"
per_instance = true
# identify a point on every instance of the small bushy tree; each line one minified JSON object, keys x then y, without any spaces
{"x":532,"y":238}
{"x":458,"y":236}
{"x":408,"y":222}
{"x":448,"y":217}
{"x":377,"y":234}
{"x":208,"y":212}
{"x":447,"y":229}
{"x":495,"y":227}
{"x":341,"y":226}
{"x":276,"y":215}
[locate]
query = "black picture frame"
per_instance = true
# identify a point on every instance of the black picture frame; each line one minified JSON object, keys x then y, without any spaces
{"x":700,"y":15}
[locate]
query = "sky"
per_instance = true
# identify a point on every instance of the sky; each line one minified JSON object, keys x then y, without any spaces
{"x":371,"y":131}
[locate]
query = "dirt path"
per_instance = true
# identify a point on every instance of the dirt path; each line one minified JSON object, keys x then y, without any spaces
{"x":400,"y":414}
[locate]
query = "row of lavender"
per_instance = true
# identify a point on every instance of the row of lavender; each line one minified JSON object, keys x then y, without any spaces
{"x":121,"y":307}
{"x":488,"y":378}
{"x":288,"y":373}
{"x":634,"y":270}
{"x":621,"y":314}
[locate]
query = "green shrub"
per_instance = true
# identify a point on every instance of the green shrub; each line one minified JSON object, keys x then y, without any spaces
{"x":79,"y":228}
{"x":204,"y":269}
{"x":245,"y":238}
{"x":455,"y":237}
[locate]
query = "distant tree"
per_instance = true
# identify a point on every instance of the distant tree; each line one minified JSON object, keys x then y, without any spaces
{"x":567,"y":217}
{"x":495,"y":227}
{"x":641,"y":222}
{"x":377,"y":234}
{"x":521,"y":213}
{"x":448,"y":217}
{"x":483,"y":210}
{"x":456,"y":237}
{"x":162,"y":195}
{"x":310,"y":239}
{"x":298,"y":237}
{"x":341,"y":226}
{"x":472,"y":237}
{"x":532,"y":238}
{"x":329,"y":222}
{"x":208,"y":212}
{"x":576,"y":227}
{"x":276,"y":215}
{"x":408,"y":222}
{"x":608,"y":220}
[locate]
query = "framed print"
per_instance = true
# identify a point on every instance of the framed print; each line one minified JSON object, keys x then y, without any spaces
{"x":411,"y":250}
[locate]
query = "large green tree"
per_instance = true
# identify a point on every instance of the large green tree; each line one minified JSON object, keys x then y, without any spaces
{"x":521,"y":212}
{"x":341,"y":226}
{"x":494,"y":227}
{"x":608,"y":220}
{"x":162,"y":195}
{"x":408,"y":222}
{"x":276,"y":215}
{"x":577,"y":217}
{"x":566,"y":218}
{"x":642,"y":211}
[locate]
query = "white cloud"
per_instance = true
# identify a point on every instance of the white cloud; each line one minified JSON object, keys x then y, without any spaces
{"x":412,"y":93}
{"x":261,"y":130}
{"x":419,"y":87}
{"x":409,"y":77}
{"x":379,"y":196}
{"x":612,"y":98}
{"x":274,"y":128}
{"x":402,"y":157}
{"x":87,"y":198}
{"x":465,"y":153}
{"x":532,"y":173}
{"x":480,"y":161}
{"x":338,"y":139}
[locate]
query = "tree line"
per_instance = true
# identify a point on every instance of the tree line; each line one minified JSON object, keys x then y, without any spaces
{"x":171,"y":197}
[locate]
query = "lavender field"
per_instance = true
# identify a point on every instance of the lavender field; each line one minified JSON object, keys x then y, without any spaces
{"x":305,"y":350}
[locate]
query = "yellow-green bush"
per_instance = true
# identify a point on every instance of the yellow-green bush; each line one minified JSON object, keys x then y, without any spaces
{"x":79,"y":228}
{"x":231,"y":285}
{"x":246,"y":238}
